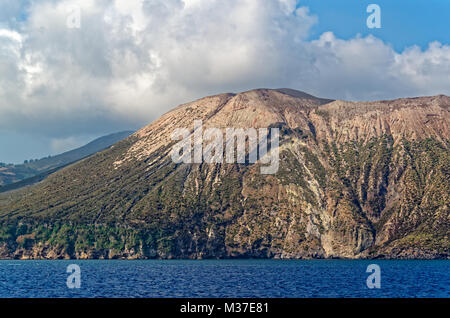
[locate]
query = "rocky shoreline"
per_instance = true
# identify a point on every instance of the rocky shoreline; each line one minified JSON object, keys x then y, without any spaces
{"x":42,"y":252}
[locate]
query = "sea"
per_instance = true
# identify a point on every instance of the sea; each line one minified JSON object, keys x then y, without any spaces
{"x":225,"y":278}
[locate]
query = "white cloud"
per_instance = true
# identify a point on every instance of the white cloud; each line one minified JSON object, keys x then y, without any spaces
{"x":367,"y":68}
{"x":132,"y":60}
{"x":10,"y":34}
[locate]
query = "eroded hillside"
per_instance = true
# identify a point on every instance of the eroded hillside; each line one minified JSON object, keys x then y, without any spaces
{"x":355,"y":180}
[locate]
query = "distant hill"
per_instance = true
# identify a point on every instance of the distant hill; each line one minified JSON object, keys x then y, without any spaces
{"x":15,"y":176}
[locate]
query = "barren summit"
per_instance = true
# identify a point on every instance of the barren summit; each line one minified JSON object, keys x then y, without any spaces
{"x":355,"y":180}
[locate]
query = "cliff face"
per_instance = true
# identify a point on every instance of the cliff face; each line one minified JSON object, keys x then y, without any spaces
{"x":355,"y":180}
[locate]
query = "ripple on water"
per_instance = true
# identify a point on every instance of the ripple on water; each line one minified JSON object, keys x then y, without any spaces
{"x":224,"y":278}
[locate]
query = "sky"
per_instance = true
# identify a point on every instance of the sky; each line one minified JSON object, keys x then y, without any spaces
{"x":74,"y":70}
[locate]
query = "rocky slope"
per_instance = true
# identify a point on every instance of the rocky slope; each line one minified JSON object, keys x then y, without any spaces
{"x":355,"y":180}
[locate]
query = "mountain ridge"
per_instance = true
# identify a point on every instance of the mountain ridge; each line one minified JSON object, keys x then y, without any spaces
{"x":356,"y":180}
{"x":11,"y":175}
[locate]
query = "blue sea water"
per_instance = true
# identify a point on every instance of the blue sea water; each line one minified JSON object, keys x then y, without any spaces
{"x":224,"y":278}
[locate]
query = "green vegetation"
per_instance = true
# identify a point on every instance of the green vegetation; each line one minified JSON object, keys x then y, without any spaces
{"x":98,"y":210}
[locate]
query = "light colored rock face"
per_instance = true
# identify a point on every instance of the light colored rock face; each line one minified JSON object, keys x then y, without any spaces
{"x":334,"y":121}
{"x":257,"y":109}
{"x":356,"y":179}
{"x":414,"y":118}
{"x":157,"y":135}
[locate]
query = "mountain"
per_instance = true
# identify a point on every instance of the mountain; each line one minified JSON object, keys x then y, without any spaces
{"x":36,"y":170}
{"x":355,"y":180}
